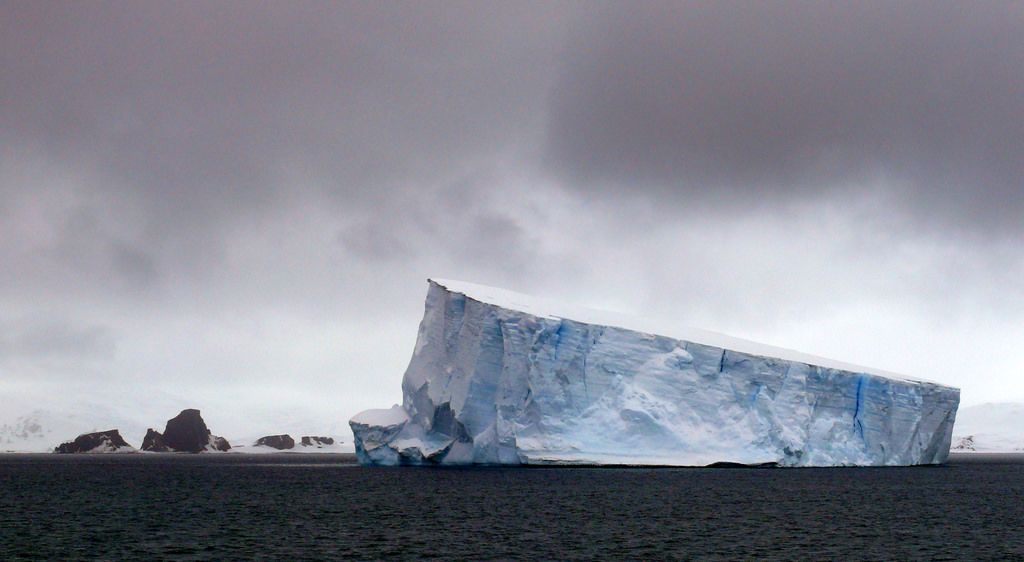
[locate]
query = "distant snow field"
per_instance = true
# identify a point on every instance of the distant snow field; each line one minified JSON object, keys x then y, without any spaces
{"x":42,"y":430}
{"x":989,"y":428}
{"x":983,"y":428}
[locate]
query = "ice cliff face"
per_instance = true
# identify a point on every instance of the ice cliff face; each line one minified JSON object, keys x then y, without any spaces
{"x":498,"y":378}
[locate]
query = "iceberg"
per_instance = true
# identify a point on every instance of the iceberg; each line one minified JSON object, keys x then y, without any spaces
{"x":499,"y":378}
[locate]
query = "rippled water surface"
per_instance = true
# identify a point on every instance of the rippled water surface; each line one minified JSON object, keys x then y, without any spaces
{"x":323,"y":506}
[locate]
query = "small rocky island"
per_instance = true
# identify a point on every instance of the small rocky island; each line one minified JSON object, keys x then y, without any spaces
{"x":109,"y":441}
{"x":279,"y":442}
{"x":285,"y":442}
{"x":316,"y":441}
{"x":184,"y":433}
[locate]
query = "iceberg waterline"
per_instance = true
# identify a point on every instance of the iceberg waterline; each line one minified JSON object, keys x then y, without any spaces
{"x":501,"y":378}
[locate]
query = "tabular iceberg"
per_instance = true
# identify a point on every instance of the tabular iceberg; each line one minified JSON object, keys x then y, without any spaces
{"x":501,"y":378}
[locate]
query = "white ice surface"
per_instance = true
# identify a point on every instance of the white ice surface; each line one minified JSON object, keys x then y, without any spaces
{"x":393,"y":415}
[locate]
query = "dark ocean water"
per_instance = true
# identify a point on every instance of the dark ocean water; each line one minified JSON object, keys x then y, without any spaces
{"x":292,"y":507}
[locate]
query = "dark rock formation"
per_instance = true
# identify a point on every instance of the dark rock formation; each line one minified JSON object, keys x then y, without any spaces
{"x":317,"y":441}
{"x":100,"y":442}
{"x":279,"y":442}
{"x":154,"y":442}
{"x":186,"y":433}
{"x":219,"y":443}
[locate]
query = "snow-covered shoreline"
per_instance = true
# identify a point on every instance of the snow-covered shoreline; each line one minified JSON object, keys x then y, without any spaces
{"x":994,"y":427}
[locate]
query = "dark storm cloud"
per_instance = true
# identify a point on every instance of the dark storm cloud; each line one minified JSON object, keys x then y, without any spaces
{"x":209,"y":111}
{"x":750,"y":102}
{"x":198,"y":116}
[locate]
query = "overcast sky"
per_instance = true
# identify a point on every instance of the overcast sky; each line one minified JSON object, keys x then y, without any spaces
{"x":238,"y":204}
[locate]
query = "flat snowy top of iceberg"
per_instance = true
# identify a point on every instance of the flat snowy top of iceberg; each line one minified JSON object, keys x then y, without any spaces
{"x":391,"y":416}
{"x":542,"y":307}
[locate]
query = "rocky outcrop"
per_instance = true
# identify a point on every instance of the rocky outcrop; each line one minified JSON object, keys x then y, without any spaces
{"x":109,"y":441}
{"x":316,"y":441}
{"x":154,"y":442}
{"x":279,"y":442}
{"x":964,"y":444}
{"x":185,"y":433}
{"x":218,"y":443}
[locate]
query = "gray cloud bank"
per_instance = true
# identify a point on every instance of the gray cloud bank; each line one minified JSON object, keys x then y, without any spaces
{"x":249,"y":196}
{"x":218,"y":109}
{"x":770,"y":100}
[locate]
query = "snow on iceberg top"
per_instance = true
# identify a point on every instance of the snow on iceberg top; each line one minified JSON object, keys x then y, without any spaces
{"x":542,"y":307}
{"x":391,"y":416}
